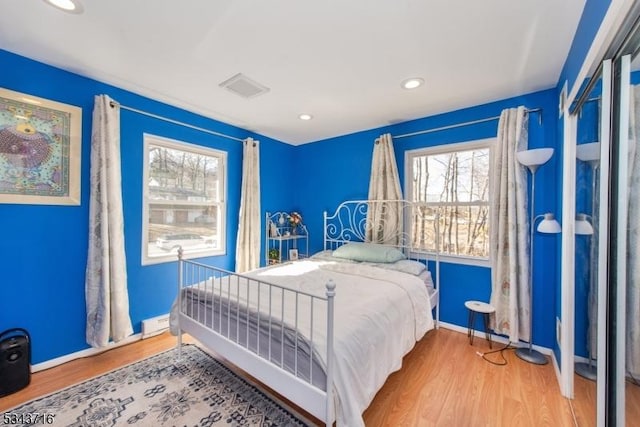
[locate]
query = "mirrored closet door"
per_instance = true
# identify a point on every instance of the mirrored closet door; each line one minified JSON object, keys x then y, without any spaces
{"x":587,"y":227}
{"x":606,"y":279}
{"x":632,"y":314}
{"x":618,"y":393}
{"x":624,"y":388}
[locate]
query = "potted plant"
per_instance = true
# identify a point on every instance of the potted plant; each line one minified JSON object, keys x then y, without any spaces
{"x":274,"y":255}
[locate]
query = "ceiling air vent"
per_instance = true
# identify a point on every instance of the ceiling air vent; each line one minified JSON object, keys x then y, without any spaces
{"x":243,"y":86}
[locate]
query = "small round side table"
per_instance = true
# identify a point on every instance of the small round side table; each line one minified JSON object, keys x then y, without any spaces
{"x":485,"y":310}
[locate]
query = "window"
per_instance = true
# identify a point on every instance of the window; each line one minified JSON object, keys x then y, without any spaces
{"x":183,"y":200}
{"x":451,"y":185}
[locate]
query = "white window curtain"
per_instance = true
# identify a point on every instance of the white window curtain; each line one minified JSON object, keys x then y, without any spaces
{"x":106,"y":293}
{"x":384,"y":220}
{"x":509,"y":228}
{"x":249,"y":229}
{"x":633,"y":240}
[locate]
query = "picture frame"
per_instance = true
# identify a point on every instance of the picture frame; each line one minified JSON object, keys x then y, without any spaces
{"x":293,"y":254}
{"x":40,"y":150}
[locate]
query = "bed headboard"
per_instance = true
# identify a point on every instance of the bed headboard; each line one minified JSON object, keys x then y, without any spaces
{"x":351,"y":223}
{"x":379,"y":221}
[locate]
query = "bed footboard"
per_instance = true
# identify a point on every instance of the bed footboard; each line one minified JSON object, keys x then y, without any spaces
{"x":271,"y":332}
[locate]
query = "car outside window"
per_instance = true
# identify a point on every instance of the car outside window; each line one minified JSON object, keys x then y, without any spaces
{"x":183,"y":200}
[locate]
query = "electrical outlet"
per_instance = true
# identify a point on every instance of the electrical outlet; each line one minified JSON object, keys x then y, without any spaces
{"x":559,"y":331}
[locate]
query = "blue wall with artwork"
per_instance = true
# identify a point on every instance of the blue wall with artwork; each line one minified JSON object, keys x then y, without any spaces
{"x":338,"y":169}
{"x":44,"y":248}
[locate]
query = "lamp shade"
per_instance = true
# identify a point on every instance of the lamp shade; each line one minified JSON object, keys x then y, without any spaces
{"x":588,"y":152}
{"x":583,"y":226}
{"x":534,"y":157}
{"x":549,"y":224}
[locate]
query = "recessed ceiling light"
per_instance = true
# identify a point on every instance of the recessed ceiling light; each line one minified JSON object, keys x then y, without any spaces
{"x":412,"y":83}
{"x":71,"y":6}
{"x":305,"y":116}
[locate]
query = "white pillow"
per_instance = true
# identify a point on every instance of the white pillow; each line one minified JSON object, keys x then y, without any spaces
{"x":408,"y":266}
{"x":368,"y":252}
{"x":426,"y":278}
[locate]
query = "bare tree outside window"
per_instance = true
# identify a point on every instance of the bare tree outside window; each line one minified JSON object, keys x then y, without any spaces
{"x":183,"y":199}
{"x":452,"y":189}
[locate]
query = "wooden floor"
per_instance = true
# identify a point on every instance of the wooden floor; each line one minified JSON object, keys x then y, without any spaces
{"x":443,"y":382}
{"x":584,"y":403}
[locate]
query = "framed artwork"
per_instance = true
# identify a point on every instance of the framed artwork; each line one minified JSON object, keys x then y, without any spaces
{"x":293,"y":254}
{"x":39,"y":150}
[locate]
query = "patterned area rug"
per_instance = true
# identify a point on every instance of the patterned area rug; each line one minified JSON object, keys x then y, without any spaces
{"x":196,"y":390}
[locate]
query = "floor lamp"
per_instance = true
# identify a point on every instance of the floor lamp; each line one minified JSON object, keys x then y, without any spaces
{"x":533,"y":159}
{"x":583,"y":227}
{"x":589,"y":153}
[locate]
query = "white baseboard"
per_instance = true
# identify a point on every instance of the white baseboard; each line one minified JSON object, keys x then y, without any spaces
{"x":83,"y":353}
{"x":556,"y":367}
{"x":494,"y":338}
{"x":93,"y":351}
{"x":580,"y":359}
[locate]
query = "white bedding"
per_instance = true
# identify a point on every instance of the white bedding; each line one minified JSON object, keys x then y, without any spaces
{"x":379,"y":316}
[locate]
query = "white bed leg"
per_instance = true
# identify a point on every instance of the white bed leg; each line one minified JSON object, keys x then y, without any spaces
{"x":438,"y":272}
{"x":180,"y":285}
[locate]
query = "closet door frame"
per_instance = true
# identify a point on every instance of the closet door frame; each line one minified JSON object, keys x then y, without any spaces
{"x":603,"y":241}
{"x":609,"y":57}
{"x":568,"y":218}
{"x":618,"y":208}
{"x":602,"y":47}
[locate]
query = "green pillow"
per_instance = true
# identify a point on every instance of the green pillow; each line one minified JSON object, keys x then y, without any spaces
{"x":368,"y":252}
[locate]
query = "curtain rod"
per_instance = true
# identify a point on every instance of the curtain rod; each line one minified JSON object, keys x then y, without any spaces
{"x":175,"y":122}
{"x":457,"y":125}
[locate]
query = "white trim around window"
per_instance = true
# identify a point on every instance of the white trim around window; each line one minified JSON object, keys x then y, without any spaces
{"x":184,"y":204}
{"x":444,"y":149}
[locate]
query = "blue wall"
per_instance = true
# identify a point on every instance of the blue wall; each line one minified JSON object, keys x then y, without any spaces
{"x":339,"y":169}
{"x":44,"y":248}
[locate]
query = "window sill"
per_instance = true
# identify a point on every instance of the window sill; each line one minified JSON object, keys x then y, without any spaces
{"x":454,"y":259}
{"x":173,"y":256}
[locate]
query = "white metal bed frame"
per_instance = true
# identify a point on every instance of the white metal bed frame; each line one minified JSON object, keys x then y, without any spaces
{"x":348,"y":224}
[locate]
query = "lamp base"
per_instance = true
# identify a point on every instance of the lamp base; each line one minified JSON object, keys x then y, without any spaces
{"x":587,"y":370}
{"x":532,"y":356}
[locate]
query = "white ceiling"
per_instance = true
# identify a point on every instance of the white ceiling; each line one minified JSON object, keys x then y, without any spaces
{"x":340,"y":60}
